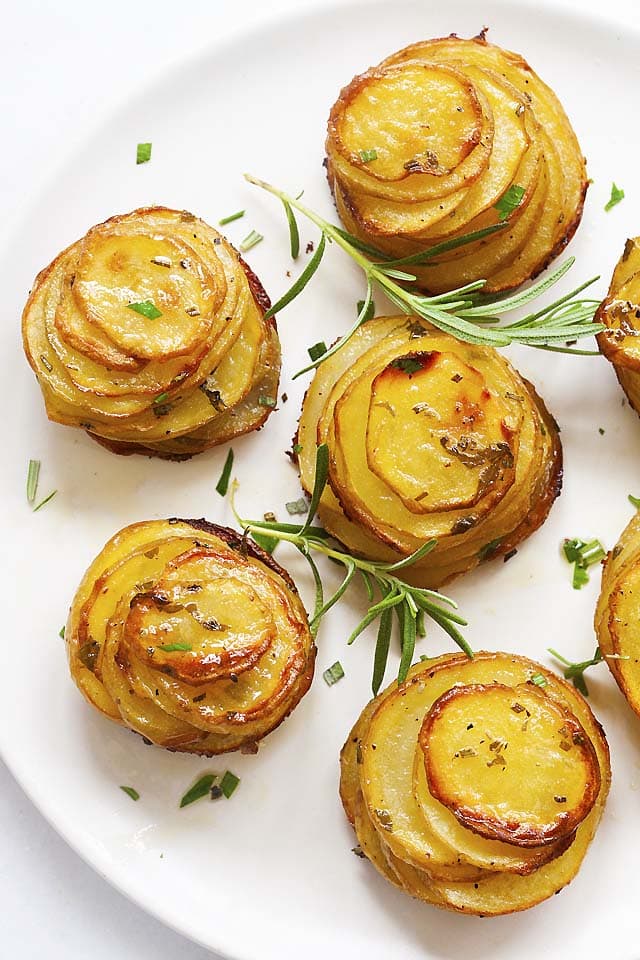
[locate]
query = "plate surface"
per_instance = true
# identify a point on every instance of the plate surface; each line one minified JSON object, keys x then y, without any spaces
{"x":270,"y":873}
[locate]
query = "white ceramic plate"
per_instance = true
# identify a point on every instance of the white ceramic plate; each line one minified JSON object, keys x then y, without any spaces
{"x":270,"y":874}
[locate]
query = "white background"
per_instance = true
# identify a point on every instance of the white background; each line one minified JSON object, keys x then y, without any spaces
{"x":63,"y":66}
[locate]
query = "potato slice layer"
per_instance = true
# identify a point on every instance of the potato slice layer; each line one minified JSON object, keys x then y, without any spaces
{"x":428,"y":437}
{"x":447,"y":137}
{"x":520,"y":769}
{"x":149,"y":334}
{"x":428,"y":822}
{"x":189,"y":635}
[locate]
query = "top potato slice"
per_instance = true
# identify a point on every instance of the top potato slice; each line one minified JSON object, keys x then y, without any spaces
{"x":511,"y":764}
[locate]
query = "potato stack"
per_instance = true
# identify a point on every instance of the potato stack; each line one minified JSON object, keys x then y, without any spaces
{"x":618,"y":613}
{"x":149,"y":334}
{"x":620,"y":313}
{"x":451,"y":136}
{"x":476,"y":785}
{"x":428,"y":437}
{"x":190,"y":635}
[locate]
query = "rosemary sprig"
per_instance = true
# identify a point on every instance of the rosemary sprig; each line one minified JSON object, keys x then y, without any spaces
{"x":461,"y":312}
{"x":387,"y":593}
{"x":575,"y":671}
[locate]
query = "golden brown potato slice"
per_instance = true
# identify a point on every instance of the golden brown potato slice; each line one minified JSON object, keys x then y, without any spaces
{"x":383,"y":761}
{"x":510,"y":763}
{"x":428,"y":437}
{"x":189,"y":636}
{"x":618,"y":613}
{"x":149,"y":333}
{"x":620,"y":313}
{"x":524,"y":152}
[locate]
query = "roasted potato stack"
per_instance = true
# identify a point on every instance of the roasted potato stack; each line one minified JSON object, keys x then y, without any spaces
{"x":620,"y":313}
{"x":451,"y":136}
{"x":149,"y":333}
{"x":428,"y":437}
{"x":618,"y":613}
{"x":191,"y":636}
{"x":476,"y":785}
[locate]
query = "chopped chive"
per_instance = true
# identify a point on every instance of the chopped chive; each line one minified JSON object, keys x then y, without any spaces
{"x":297,"y":448}
{"x":265,"y":401}
{"x":173,"y":647}
{"x":333,"y":673}
{"x":509,"y":200}
{"x":582,"y":555}
{"x":617,"y":194}
{"x":146,"y":308}
{"x":251,"y":240}
{"x":131,"y":792}
{"x":199,"y":790}
{"x":317,"y":350}
{"x":297,"y":506}
{"x":33,"y":474}
{"x":161,"y":398}
{"x":539,"y":680}
{"x":61,"y":632}
{"x":223,"y":483}
{"x":634,"y":501}
{"x":229,"y":783}
{"x":45,"y":501}
{"x":231,"y":218}
{"x":368,"y":155}
{"x":143,"y":153}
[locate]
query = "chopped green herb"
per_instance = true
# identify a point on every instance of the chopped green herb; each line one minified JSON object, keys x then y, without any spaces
{"x":45,"y":501}
{"x":582,"y":555}
{"x":369,"y":312}
{"x":173,"y":647}
{"x":146,"y":308}
{"x":333,"y":673}
{"x":509,"y":201}
{"x":489,"y":548}
{"x":601,"y":431}
{"x":265,"y":401}
{"x":408,"y":365}
{"x":297,"y":448}
{"x":297,"y":506}
{"x":131,"y":792}
{"x":317,"y":350}
{"x":251,"y":240}
{"x":61,"y":632}
{"x":33,"y":474}
{"x":539,"y":680}
{"x":368,"y":155}
{"x":617,"y":194}
{"x":143,"y":153}
{"x":575,"y":671}
{"x":223,"y":483}
{"x":161,"y":398}
{"x":634,"y":501}
{"x":199,"y":790}
{"x":231,"y":218}
{"x":229,"y":783}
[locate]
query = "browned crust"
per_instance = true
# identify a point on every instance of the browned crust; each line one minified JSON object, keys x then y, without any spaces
{"x":508,"y":830}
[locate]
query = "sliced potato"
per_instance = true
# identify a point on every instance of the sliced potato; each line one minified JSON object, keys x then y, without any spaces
{"x":149,"y":333}
{"x":189,"y":636}
{"x":518,"y":769}
{"x":428,"y":437}
{"x":409,"y":167}
{"x":446,"y":703}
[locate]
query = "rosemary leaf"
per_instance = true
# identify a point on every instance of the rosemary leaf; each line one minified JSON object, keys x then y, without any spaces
{"x":33,"y":474}
{"x":294,"y":234}
{"x":300,"y":283}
